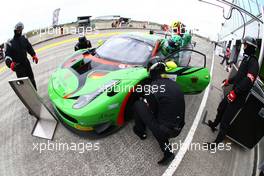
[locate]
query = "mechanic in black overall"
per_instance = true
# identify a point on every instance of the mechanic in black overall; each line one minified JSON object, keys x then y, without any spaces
{"x":242,"y":83}
{"x":162,"y":111}
{"x":16,"y":55}
{"x":83,"y":43}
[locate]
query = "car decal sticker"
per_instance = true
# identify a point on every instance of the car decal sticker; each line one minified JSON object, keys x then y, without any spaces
{"x":97,"y":74}
{"x":172,"y":77}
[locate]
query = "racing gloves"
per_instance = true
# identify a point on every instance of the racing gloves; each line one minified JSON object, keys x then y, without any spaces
{"x":35,"y":59}
{"x":13,"y":66}
{"x":251,"y":77}
{"x":225,"y":83}
{"x":231,"y":96}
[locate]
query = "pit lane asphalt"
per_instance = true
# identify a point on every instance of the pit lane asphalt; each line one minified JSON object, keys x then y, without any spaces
{"x":119,"y":154}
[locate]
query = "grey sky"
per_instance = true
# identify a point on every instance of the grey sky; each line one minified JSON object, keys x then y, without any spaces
{"x":36,"y":14}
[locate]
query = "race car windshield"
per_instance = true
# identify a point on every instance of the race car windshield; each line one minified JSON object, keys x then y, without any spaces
{"x":125,"y":50}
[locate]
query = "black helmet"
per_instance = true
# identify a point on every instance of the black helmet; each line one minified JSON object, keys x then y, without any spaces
{"x":19,"y":26}
{"x":82,"y":39}
{"x":155,"y":68}
{"x":251,"y":46}
{"x":250,"y":41}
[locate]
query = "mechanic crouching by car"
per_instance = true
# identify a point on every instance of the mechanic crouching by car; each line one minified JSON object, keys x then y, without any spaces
{"x":242,"y":83}
{"x":163,"y":111}
{"x":16,"y":54}
{"x":83,"y":43}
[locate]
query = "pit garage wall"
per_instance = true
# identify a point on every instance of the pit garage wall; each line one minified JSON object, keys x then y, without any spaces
{"x":106,"y":24}
{"x":254,"y":29}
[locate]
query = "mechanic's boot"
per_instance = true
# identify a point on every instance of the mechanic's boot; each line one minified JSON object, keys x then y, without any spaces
{"x":141,"y":135}
{"x":167,"y":158}
{"x":212,"y":126}
{"x":220,"y":137}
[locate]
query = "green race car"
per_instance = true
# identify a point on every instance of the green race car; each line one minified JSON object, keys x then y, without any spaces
{"x":92,"y":91}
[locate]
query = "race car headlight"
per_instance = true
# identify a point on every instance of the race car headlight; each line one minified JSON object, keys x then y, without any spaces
{"x":86,"y":99}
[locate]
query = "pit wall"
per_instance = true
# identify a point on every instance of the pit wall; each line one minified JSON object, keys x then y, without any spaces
{"x":42,"y":35}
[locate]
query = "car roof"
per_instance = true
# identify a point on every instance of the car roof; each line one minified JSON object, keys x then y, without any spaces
{"x":144,"y":37}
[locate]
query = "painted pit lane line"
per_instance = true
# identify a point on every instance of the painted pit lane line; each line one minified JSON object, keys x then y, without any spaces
{"x":187,"y":142}
{"x":90,"y":36}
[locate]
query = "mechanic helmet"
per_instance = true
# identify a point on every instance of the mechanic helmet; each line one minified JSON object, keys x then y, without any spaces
{"x":155,"y":67}
{"x":187,"y":38}
{"x":250,"y":41}
{"x":82,"y":39}
{"x":174,"y":43}
{"x":175,"y":26}
{"x":19,"y":26}
{"x":251,"y":45}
